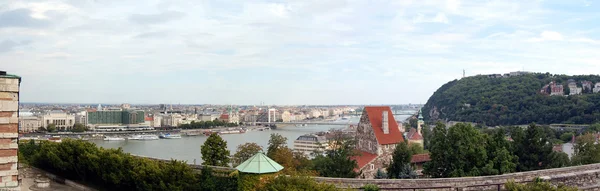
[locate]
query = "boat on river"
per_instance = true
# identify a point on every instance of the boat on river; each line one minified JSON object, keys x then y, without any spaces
{"x":170,"y":136}
{"x":114,"y":138}
{"x":143,"y":137}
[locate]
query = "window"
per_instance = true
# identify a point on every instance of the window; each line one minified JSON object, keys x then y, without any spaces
{"x":372,"y":167}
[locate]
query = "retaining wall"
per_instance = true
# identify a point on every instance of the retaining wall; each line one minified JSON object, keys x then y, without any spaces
{"x":585,"y":177}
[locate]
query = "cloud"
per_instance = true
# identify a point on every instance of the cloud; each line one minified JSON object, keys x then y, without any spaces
{"x":547,"y":36}
{"x":8,"y":45}
{"x":21,"y":18}
{"x":438,"y":18}
{"x":156,"y":18}
{"x":157,"y":34}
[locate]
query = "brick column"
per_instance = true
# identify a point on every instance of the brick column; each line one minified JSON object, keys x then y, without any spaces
{"x":9,"y":128}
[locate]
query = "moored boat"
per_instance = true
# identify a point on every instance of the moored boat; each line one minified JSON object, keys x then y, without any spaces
{"x":170,"y":136}
{"x":114,"y":138}
{"x":143,"y":137}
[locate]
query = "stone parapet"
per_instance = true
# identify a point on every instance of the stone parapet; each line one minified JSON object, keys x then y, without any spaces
{"x":586,"y":176}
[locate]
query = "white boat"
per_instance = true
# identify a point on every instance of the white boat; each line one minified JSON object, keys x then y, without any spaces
{"x":143,"y":137}
{"x":114,"y":138}
{"x":170,"y":136}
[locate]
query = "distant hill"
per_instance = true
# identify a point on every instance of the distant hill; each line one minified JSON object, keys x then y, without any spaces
{"x":501,"y":100}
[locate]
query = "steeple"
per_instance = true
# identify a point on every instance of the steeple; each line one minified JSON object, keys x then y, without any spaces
{"x":420,"y":122}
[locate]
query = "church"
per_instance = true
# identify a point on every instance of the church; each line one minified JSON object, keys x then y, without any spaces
{"x":377,"y":134}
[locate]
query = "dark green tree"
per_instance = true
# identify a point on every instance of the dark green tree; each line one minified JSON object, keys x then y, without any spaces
{"x":558,"y":160}
{"x":532,"y":148}
{"x":427,"y":135}
{"x":78,"y":127}
{"x":51,"y":128}
{"x":336,"y":161}
{"x":214,"y":151}
{"x":275,"y":142}
{"x":380,"y":174}
{"x":244,"y":152}
{"x":586,"y":150}
{"x":501,"y":159}
{"x":438,"y":167}
{"x":400,"y":157}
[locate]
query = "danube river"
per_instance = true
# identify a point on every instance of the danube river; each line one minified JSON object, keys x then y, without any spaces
{"x":188,"y":148}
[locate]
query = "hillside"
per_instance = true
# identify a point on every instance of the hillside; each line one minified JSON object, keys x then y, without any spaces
{"x":513,"y":101}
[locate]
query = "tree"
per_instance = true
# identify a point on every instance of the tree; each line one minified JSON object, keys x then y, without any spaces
{"x":416,"y":149}
{"x":336,"y":161}
{"x":275,"y":142}
{"x":214,"y":151}
{"x":558,"y":160}
{"x":427,"y":135}
{"x":499,"y":152}
{"x":78,"y":127}
{"x":380,"y":174}
{"x":244,"y":152}
{"x":297,"y":183}
{"x":51,"y":128}
{"x":586,"y":150}
{"x":532,"y":148}
{"x":400,"y":158}
{"x":566,"y":137}
{"x":438,"y":166}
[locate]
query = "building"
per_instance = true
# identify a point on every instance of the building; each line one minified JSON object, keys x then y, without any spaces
{"x":587,"y":86}
{"x":556,"y":89}
{"x":9,"y":131}
{"x":28,"y":124}
{"x":286,"y":116}
{"x":415,"y":136}
{"x":60,"y":119}
{"x":418,"y":160}
{"x":597,"y":87}
{"x":171,"y":120}
{"x":115,"y":117}
{"x":573,"y":89}
{"x":81,"y":118}
{"x":377,"y":135}
{"x":307,"y":144}
{"x":208,"y":117}
{"x":125,"y":106}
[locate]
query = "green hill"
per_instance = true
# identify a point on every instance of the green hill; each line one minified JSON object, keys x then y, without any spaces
{"x":513,"y":101}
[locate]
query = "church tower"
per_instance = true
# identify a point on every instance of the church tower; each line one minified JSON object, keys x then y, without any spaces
{"x":420,"y":122}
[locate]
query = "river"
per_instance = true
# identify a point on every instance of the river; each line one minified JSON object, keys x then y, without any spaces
{"x":188,"y":147}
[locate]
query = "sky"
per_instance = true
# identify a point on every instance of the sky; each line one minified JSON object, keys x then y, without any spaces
{"x":284,"y":52}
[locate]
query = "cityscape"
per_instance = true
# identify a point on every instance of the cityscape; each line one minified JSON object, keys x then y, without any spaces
{"x":338,"y":95}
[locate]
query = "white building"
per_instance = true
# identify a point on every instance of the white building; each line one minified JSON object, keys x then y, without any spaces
{"x":597,"y":87}
{"x":29,"y":124}
{"x":307,"y":144}
{"x":573,"y":89}
{"x":81,"y":118}
{"x":61,"y":120}
{"x":171,"y":120}
{"x":208,"y":117}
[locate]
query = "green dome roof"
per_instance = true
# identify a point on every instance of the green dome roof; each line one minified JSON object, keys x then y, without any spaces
{"x":259,"y":164}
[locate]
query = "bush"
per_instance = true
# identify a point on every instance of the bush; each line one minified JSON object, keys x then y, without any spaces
{"x":537,"y":185}
{"x":112,"y":169}
{"x":297,"y":183}
{"x":371,"y":187}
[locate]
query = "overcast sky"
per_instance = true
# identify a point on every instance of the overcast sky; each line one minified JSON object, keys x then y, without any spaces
{"x":278,"y":52}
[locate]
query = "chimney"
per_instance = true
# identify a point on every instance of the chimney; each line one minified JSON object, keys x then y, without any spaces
{"x":385,"y":125}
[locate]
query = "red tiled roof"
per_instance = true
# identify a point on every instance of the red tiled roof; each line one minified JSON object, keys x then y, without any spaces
{"x":414,"y":135}
{"x":364,"y":158}
{"x":376,"y":118}
{"x":557,"y":148}
{"x":419,"y":158}
{"x":224,"y":116}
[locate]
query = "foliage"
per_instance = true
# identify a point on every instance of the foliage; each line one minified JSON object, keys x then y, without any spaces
{"x":427,"y":135}
{"x":207,"y":124}
{"x":51,"y":128}
{"x":297,"y":183}
{"x":558,"y":160}
{"x":512,"y":101}
{"x":244,"y":152}
{"x":438,"y":166}
{"x":275,"y":142}
{"x":112,"y":169}
{"x":566,"y":137}
{"x":594,"y":128}
{"x":532,"y":147}
{"x":400,"y":158}
{"x":380,"y":174}
{"x":78,"y":127}
{"x":536,"y":185}
{"x":371,"y":187}
{"x":336,"y":161}
{"x":586,"y":150}
{"x":416,"y":149}
{"x":501,"y":158}
{"x":214,"y":151}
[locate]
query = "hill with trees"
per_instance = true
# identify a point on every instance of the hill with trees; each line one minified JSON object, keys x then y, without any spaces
{"x":514,"y":100}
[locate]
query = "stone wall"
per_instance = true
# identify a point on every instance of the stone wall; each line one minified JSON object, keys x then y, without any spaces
{"x":9,"y":125}
{"x":586,"y":177}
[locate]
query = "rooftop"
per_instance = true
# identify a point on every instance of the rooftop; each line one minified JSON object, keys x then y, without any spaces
{"x":375,"y":117}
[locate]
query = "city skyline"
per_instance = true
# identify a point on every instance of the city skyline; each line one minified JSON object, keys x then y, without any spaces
{"x":284,"y":53}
